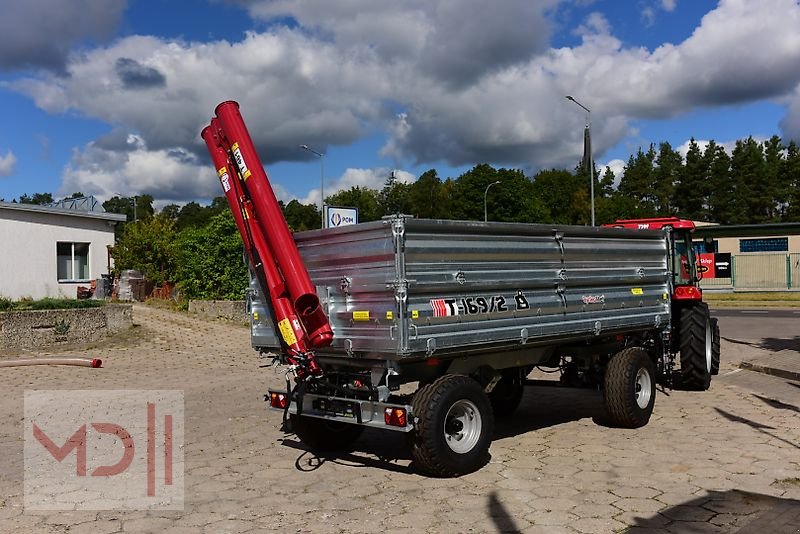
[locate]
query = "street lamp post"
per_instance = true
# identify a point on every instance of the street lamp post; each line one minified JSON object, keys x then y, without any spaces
{"x":321,"y":181}
{"x":587,"y":149}
{"x":485,"y":193}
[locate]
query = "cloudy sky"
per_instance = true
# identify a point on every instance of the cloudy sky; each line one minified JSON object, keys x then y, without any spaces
{"x":109,"y":96}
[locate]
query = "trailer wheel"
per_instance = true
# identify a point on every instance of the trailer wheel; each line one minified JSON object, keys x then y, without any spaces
{"x":630,"y":388}
{"x":507,"y":393}
{"x":454,"y":427}
{"x":696,"y":347}
{"x":321,"y":435}
{"x":715,"y":346}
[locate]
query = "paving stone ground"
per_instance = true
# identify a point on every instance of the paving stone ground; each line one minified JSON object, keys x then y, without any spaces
{"x":724,"y":460}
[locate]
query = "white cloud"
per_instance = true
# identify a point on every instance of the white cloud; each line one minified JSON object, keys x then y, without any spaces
{"x":346,"y":69}
{"x":8,"y":164}
{"x":352,"y":177}
{"x":668,"y":5}
{"x":617,"y":166}
{"x":167,"y":174}
{"x":39,"y":33}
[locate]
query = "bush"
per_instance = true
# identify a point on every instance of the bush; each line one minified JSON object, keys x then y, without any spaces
{"x":209,"y":261}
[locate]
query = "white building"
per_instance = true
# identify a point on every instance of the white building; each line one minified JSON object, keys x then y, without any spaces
{"x":49,"y":251}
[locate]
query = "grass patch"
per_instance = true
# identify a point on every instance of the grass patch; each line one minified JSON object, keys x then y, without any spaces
{"x":47,"y":304}
{"x":794,"y":481}
{"x":785,"y":299}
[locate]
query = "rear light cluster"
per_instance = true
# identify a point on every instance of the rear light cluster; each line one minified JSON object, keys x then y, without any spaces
{"x":687,"y":293}
{"x":395,"y":416}
{"x":278,"y":400}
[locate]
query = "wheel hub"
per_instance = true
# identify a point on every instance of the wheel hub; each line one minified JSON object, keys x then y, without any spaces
{"x":643,"y":388}
{"x":462,"y":427}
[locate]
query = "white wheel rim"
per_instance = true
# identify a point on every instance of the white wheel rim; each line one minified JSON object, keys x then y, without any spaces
{"x":462,"y":426}
{"x":644,"y":388}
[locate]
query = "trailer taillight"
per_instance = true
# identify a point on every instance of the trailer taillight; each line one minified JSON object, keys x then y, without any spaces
{"x":395,"y":416}
{"x":278,"y":400}
{"x":687,"y":293}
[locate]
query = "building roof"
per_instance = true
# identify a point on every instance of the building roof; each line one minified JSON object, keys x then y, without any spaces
{"x":35,"y":208}
{"x":748,"y":230}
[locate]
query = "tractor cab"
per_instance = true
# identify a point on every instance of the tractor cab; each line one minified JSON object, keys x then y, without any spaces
{"x":683,"y":261}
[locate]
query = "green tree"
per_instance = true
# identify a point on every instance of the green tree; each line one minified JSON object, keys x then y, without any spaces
{"x":425,"y":196}
{"x":790,"y":181}
{"x":722,"y":196}
{"x":148,"y":246}
{"x":692,"y":189}
{"x":666,"y":173}
{"x":751,"y":201}
{"x":774,"y":196}
{"x":362,"y":198}
{"x":395,"y":196}
{"x":637,"y":183}
{"x":210,"y":261}
{"x":302,"y":217}
{"x":37,"y":198}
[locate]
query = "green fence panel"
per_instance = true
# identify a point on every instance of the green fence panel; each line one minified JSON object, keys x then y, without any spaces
{"x":794,"y":270}
{"x":760,"y":271}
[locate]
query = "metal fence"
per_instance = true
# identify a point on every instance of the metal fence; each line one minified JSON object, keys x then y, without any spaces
{"x":760,"y":271}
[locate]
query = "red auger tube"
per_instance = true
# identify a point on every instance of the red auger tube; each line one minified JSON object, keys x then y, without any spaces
{"x":94,"y":363}
{"x":274,"y":227}
{"x":261,"y":257}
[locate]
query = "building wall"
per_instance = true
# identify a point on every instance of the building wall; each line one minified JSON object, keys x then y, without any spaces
{"x":28,"y":265}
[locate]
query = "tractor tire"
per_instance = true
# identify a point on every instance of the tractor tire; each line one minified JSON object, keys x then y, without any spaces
{"x":507,"y":393}
{"x":454,"y":427}
{"x":321,"y":435}
{"x":695,"y":338}
{"x":714,"y":346}
{"x":630,"y":388}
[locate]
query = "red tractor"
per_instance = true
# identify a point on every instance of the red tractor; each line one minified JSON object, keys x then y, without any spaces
{"x":695,"y":334}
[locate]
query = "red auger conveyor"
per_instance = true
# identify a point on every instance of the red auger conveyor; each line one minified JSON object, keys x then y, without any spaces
{"x":302,"y":323}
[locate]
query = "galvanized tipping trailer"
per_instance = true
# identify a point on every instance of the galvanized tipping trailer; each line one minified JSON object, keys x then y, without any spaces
{"x":465,"y":310}
{"x":468,"y":309}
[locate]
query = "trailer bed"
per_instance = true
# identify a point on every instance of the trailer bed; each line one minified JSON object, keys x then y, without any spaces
{"x":405,"y":288}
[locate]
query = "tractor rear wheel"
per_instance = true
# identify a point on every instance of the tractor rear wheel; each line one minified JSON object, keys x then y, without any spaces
{"x":696,"y":345}
{"x":715,"y":346}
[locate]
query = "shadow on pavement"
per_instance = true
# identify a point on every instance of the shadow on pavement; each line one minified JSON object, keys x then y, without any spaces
{"x":777,"y":404}
{"x":366,"y":452}
{"x":795,"y":384}
{"x":546,"y":406}
{"x":736,"y":511}
{"x":503,"y":521}
{"x":764,"y":429}
{"x":776,"y":344}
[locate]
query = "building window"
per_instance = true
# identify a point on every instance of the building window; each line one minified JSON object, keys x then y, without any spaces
{"x":774,"y":244}
{"x":73,"y":262}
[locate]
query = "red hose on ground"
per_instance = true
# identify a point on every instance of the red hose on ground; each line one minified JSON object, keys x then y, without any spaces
{"x":81,"y":362}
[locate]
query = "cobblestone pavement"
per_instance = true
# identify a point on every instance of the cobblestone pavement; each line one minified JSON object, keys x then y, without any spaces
{"x":714,"y":461}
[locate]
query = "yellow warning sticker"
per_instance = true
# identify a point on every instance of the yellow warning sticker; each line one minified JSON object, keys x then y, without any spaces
{"x":637,"y":291}
{"x":664,"y":296}
{"x":361,"y":316}
{"x":237,"y":156}
{"x":286,"y":332}
{"x":415,"y":314}
{"x":389,"y":316}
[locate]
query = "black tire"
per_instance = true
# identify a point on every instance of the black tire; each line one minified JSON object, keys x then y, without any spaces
{"x":696,"y":347}
{"x":454,"y":427}
{"x":715,"y":346}
{"x":507,"y":393}
{"x":321,"y":435}
{"x":630,"y":388}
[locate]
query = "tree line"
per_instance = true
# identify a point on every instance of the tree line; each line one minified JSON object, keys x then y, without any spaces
{"x":199,"y":247}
